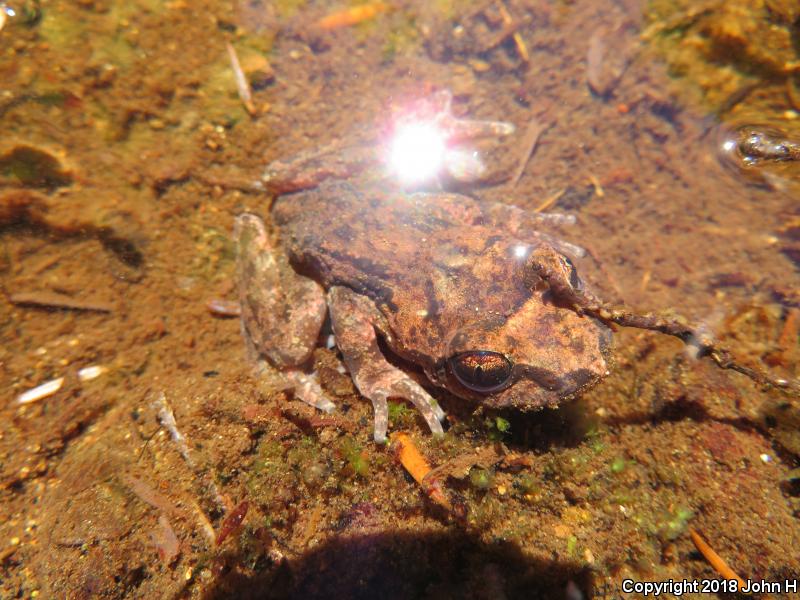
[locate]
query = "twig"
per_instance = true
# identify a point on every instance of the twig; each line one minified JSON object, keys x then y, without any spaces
{"x":598,"y":189}
{"x":167,"y":418}
{"x":714,"y":559}
{"x":242,"y":86}
{"x":682,"y":20}
{"x":56,"y":301}
{"x":535,"y":129}
{"x":522,"y":49}
{"x":416,"y":465}
{"x":550,"y":200}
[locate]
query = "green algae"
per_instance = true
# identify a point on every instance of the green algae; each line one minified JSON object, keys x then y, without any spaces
{"x":481,"y":479}
{"x":356,"y":458}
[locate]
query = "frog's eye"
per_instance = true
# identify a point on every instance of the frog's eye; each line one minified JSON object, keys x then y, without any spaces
{"x":481,"y":371}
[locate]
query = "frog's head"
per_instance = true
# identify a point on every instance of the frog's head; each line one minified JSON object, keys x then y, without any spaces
{"x":535,"y":356}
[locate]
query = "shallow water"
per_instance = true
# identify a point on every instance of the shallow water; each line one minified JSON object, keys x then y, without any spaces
{"x":122,"y":140}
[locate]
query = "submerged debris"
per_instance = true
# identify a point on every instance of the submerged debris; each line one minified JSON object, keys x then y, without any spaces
{"x":57,"y":301}
{"x":89,"y":373}
{"x":147,"y":494}
{"x":165,"y":540}
{"x":224,"y":308}
{"x":714,"y":559}
{"x":33,"y":167}
{"x":167,"y":419}
{"x":5,"y":12}
{"x":461,"y":466}
{"x":44,"y":390}
{"x":352,"y":16}
{"x":416,"y":465}
{"x":232,"y":521}
{"x":242,"y":85}
{"x":48,"y":388}
{"x":536,"y":127}
{"x":481,"y":37}
{"x":611,"y":50}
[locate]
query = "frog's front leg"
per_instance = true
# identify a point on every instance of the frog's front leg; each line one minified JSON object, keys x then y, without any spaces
{"x":565,"y":284}
{"x":354,"y":319}
{"x":282,"y":312}
{"x":307,"y":170}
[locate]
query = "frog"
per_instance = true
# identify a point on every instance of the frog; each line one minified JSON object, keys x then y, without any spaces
{"x":426,"y":289}
{"x":440,"y":280}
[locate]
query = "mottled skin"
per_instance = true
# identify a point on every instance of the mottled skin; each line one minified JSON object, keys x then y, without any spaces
{"x":437,"y":276}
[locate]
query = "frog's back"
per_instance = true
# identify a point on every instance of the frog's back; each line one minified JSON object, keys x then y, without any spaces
{"x":446,"y":277}
{"x":372,"y":241}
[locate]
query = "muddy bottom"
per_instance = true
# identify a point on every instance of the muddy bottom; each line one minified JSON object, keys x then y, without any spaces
{"x":163,"y":466}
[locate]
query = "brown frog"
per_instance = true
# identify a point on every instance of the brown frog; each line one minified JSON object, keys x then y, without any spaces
{"x":443,"y":279}
{"x":472,"y":294}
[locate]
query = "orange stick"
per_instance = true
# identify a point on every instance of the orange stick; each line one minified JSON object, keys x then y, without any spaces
{"x":714,"y":559}
{"x":352,"y":16}
{"x":413,"y":461}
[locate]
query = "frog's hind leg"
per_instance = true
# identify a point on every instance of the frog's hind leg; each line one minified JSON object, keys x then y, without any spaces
{"x":354,"y":318}
{"x":282,"y":312}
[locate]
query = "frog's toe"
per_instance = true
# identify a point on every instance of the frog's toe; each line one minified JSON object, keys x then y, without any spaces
{"x":464,"y":166}
{"x":307,"y":388}
{"x":381,"y":408}
{"x":424,"y":403}
{"x":393,"y":383}
{"x":390,"y":382}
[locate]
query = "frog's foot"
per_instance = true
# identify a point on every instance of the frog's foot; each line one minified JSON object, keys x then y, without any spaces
{"x":309,"y":169}
{"x":282,"y":312}
{"x":457,"y":129}
{"x":304,"y":386}
{"x":430,"y":129}
{"x":354,"y":319}
{"x":307,"y":388}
